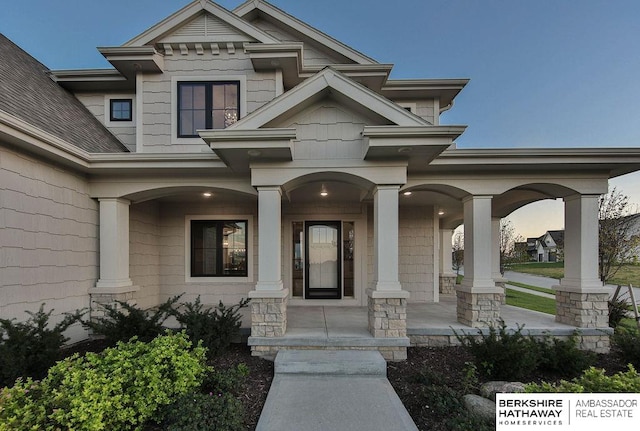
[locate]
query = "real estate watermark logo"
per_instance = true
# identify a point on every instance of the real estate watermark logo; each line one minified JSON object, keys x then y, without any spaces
{"x":566,"y":411}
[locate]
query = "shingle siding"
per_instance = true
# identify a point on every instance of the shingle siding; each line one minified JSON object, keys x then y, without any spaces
{"x":48,"y":238}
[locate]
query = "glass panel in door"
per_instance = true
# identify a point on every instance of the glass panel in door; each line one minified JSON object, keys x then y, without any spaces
{"x":323,"y":260}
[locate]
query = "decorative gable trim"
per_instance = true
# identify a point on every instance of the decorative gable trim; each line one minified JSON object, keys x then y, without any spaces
{"x":189,"y":13}
{"x":314,"y":87}
{"x":252,"y":7}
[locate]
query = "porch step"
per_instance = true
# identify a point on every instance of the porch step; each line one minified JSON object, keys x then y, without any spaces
{"x":331,"y":362}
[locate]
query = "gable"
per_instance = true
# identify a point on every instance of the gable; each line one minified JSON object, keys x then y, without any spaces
{"x":201,"y":17}
{"x":341,"y":88}
{"x":206,"y":27}
{"x":313,"y":53}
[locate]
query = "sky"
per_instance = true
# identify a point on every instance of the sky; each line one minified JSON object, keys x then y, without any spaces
{"x":544,"y":73}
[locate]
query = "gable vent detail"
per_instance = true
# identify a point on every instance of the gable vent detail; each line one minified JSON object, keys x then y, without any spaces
{"x":207,"y":28}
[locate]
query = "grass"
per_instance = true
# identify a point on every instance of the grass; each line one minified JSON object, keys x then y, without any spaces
{"x":546,"y":269}
{"x":628,"y":274}
{"x":530,"y":287}
{"x":531,"y":301}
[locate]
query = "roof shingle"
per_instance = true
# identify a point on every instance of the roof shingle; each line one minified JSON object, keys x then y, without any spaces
{"x":27,"y":92}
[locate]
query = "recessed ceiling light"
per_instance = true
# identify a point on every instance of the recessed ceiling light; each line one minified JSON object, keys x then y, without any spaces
{"x":254,"y":153}
{"x":323,"y":191}
{"x":407,"y":193}
{"x":440,"y":212}
{"x":207,"y":194}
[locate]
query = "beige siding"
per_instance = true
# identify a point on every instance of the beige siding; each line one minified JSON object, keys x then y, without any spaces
{"x":425,"y":109}
{"x":95,"y":103}
{"x":158,"y":93}
{"x":416,"y":247}
{"x":327,"y":131}
{"x":48,"y":239}
{"x":172,"y":257}
{"x":144,"y":251}
{"x":313,"y":55}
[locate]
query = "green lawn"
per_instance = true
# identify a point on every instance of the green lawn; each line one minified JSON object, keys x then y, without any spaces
{"x":536,"y":288}
{"x":628,"y":274}
{"x":531,"y":301}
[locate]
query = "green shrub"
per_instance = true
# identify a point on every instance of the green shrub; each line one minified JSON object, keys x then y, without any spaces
{"x":28,"y":349}
{"x":124,"y":321}
{"x":215,"y":327}
{"x":563,"y":357}
{"x":502,"y":354}
{"x":204,"y":412}
{"x":618,"y":310}
{"x":593,"y":380}
{"x":118,"y":389}
{"x":626,"y":344}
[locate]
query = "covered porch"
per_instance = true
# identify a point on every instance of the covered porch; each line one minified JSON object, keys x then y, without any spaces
{"x":428,"y":324}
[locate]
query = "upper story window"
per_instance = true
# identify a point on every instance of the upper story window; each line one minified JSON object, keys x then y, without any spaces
{"x":207,"y":105}
{"x":120,"y":109}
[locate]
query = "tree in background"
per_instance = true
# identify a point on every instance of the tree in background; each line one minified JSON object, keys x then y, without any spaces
{"x":457,"y":248}
{"x":509,"y":252}
{"x":617,"y":241}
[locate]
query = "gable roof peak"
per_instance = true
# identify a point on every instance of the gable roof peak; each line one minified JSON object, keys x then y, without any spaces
{"x":252,"y":7}
{"x":188,"y":12}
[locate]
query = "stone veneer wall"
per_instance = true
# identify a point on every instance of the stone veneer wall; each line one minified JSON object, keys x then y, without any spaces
{"x":478,"y":309}
{"x":585,"y":310}
{"x":268,"y":317}
{"x":447,"y":284}
{"x":388,"y":317}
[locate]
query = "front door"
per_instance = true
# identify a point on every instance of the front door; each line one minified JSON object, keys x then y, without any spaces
{"x":323,"y":271}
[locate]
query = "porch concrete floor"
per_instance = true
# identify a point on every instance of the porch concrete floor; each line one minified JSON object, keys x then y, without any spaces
{"x":437,"y":318}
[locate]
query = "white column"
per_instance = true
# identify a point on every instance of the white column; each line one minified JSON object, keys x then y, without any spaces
{"x":581,"y":243}
{"x":114,"y":245}
{"x":478,"y":248}
{"x":269,"y":239}
{"x":385,"y":238}
{"x":446,"y":251}
{"x":138,"y":111}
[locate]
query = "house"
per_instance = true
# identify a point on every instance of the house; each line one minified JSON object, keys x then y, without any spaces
{"x":547,"y":248}
{"x":243,"y":153}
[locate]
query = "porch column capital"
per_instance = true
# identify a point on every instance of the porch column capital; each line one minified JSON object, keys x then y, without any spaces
{"x":114,"y":246}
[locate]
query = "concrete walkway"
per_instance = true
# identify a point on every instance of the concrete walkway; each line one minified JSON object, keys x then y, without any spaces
{"x":325,"y":390}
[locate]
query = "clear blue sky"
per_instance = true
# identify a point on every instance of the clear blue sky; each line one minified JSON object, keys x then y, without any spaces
{"x":544,"y":73}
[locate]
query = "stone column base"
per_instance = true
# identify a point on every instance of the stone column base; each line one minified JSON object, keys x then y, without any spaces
{"x":101,"y":297}
{"x":387,"y":313}
{"x":479,"y":309}
{"x":447,"y":284}
{"x":583,"y":309}
{"x":269,"y":313}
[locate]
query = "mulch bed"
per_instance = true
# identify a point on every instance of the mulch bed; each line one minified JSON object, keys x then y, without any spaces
{"x":446,"y":362}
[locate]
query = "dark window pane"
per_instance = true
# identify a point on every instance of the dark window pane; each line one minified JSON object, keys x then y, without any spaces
{"x":186,"y":96}
{"x":217,"y":97}
{"x":199,"y":97}
{"x":186,"y":123}
{"x":217,"y":117}
{"x":199,"y":120}
{"x":120,"y":110}
{"x":231,"y":96}
{"x":218,"y":248}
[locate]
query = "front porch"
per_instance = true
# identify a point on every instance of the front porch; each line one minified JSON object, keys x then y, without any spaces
{"x":428,"y":324}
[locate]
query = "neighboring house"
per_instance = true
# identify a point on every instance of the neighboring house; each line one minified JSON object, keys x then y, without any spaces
{"x":244,"y":153}
{"x":546,"y":248}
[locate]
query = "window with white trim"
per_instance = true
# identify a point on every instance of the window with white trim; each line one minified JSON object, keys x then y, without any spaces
{"x":207,"y":105}
{"x":219,"y":248}
{"x":120,"y":109}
